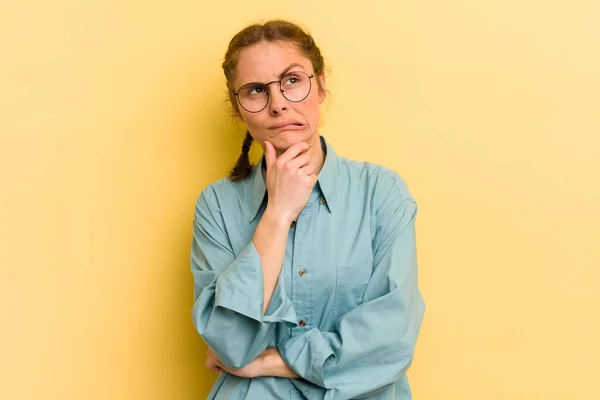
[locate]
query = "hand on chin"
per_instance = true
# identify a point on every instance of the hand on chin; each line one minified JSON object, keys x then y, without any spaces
{"x":281,"y":144}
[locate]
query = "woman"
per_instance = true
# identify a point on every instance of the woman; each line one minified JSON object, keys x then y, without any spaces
{"x":304,"y":265}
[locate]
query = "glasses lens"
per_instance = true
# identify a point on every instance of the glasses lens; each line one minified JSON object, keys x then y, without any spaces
{"x":295,"y":86}
{"x":253,"y":97}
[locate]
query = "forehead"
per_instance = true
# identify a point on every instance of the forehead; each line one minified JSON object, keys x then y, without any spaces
{"x":264,"y":61}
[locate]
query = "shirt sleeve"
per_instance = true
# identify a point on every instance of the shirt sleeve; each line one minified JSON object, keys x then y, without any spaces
{"x":371,"y":346}
{"x":228,"y":291}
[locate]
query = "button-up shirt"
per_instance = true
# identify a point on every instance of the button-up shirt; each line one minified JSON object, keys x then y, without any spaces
{"x":346,"y":311}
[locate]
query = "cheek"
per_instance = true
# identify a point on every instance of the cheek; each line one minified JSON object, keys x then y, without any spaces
{"x":255,"y":123}
{"x":313,"y":108}
{"x":249,"y":119}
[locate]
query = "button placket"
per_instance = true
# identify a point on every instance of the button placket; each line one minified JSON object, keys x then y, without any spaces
{"x":301,"y":283}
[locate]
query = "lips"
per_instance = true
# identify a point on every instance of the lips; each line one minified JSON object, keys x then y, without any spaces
{"x":288,"y":125}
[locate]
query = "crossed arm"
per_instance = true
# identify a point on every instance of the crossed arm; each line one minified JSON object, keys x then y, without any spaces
{"x":269,"y":363}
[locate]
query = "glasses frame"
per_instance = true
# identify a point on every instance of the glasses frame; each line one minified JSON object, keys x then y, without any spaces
{"x":268,"y":91}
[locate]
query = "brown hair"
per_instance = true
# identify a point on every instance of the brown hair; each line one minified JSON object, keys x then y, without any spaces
{"x":271,"y":31}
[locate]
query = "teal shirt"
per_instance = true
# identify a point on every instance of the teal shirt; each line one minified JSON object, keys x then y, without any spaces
{"x":346,"y":311}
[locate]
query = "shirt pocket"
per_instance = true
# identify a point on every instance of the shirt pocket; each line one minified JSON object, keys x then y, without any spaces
{"x":351,"y":282}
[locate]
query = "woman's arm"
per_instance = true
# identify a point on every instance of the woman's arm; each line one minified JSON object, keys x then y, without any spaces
{"x":273,"y":365}
{"x":290,"y":180}
{"x":228,"y":309}
{"x":233,"y":293}
{"x":270,"y":239}
{"x":269,"y":363}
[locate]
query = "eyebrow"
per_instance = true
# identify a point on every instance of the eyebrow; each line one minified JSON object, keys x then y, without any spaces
{"x":285,"y":71}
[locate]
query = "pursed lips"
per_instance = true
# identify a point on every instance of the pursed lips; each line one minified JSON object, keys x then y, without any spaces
{"x":288,"y":126}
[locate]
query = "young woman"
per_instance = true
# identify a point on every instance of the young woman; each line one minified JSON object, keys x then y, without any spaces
{"x":304,"y":265}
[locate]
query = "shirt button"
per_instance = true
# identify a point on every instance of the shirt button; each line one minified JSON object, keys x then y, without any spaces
{"x":302,"y":323}
{"x":322,"y":201}
{"x":302,"y":272}
{"x":293,"y":224}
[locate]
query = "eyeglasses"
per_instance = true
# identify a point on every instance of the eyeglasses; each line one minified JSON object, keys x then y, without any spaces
{"x":294,"y":86}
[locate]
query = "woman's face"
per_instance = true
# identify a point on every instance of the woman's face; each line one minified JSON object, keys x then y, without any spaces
{"x":281,"y":122}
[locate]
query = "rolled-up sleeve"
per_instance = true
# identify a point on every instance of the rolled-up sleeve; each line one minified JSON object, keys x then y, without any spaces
{"x":228,"y":292}
{"x":371,"y":346}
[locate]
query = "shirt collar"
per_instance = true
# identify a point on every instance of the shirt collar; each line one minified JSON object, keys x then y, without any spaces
{"x":328,"y":175}
{"x":326,"y":179}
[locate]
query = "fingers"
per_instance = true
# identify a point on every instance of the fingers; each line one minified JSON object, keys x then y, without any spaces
{"x":212,"y":362}
{"x":217,"y":367}
{"x":214,"y":368}
{"x":270,"y":154}
{"x":293,"y":152}
{"x":312,"y":179}
{"x":294,"y":158}
{"x":298,"y":162}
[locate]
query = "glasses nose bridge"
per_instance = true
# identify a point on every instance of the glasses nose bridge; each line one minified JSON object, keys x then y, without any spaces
{"x":270,"y":83}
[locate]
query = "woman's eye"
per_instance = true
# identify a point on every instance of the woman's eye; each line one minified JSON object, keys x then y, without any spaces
{"x":256,"y":91}
{"x":292,"y":80}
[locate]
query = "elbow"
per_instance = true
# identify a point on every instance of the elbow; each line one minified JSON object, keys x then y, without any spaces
{"x":397,"y":364}
{"x":401,"y":359}
{"x":233,"y":349}
{"x":401,"y":353}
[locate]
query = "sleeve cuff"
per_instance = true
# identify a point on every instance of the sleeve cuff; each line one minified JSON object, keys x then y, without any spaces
{"x":307,"y":354}
{"x":240,"y":288}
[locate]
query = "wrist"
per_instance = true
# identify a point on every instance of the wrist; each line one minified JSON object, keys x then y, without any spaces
{"x":266,"y":364}
{"x":278,"y":219}
{"x":272,"y":364}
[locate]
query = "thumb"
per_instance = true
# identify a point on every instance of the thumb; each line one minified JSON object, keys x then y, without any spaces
{"x":270,"y":155}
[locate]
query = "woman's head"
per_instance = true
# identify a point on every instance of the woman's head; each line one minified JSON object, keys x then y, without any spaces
{"x":267,"y":54}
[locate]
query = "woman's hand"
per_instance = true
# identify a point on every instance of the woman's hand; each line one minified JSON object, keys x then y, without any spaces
{"x":252,"y":370}
{"x":212,"y":362}
{"x":269,"y":363}
{"x":289,"y":184}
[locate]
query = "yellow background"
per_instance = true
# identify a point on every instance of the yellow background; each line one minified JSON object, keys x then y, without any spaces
{"x":112,"y":120}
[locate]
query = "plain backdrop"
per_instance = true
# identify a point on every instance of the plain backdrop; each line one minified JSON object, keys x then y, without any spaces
{"x":113,"y":119}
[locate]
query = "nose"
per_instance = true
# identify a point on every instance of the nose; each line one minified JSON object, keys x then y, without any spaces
{"x":277,"y":102}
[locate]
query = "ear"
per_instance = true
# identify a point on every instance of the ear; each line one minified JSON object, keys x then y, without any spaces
{"x":323,"y":91}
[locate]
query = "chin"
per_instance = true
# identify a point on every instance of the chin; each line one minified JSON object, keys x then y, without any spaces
{"x":285,"y":140}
